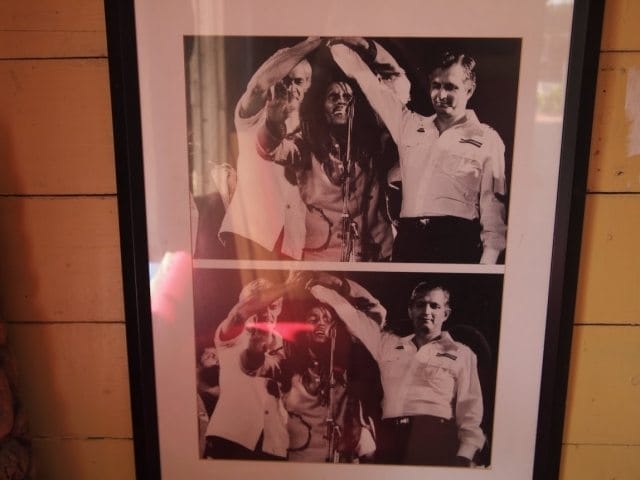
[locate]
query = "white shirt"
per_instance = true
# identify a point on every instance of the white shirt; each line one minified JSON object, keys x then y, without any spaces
{"x":245,"y":408}
{"x":263,"y":199}
{"x":457,"y":173}
{"x":439,"y":379}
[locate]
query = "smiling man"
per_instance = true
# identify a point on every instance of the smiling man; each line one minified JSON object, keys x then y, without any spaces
{"x":332,"y":161}
{"x":452,"y":166}
{"x":432,"y":405}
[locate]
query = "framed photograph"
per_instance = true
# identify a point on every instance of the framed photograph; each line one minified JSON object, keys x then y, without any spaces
{"x":350,"y":232}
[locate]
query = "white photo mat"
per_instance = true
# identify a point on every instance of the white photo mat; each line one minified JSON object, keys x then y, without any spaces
{"x":160,"y":29}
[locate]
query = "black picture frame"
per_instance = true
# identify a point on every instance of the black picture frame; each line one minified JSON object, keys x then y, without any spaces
{"x":576,"y":132}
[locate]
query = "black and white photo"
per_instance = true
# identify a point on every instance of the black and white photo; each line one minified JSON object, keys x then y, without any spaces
{"x":351,"y":148}
{"x":315,"y":366}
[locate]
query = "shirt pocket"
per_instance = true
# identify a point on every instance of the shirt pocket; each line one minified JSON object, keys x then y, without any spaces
{"x":438,"y":374}
{"x":465,"y":172}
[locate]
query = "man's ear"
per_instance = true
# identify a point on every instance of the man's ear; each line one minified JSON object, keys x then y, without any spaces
{"x":447,"y":313}
{"x":471,"y":88}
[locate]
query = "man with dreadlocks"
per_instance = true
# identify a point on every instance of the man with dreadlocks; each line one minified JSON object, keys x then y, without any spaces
{"x":335,"y":160}
{"x":327,"y":422}
{"x":321,"y":377}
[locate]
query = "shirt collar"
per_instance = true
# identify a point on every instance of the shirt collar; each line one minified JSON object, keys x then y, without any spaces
{"x":445,"y":340}
{"x":470,"y":119}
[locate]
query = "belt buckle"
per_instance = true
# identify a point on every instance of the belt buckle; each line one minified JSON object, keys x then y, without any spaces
{"x":403,"y":421}
{"x":423,"y":222}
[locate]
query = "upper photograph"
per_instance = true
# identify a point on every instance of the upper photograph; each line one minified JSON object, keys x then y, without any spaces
{"x":351,"y":149}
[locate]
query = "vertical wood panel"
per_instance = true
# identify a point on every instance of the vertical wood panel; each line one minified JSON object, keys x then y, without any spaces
{"x":609,"y":281}
{"x":52,"y":28}
{"x":604,"y":394}
{"x":602,"y":420}
{"x":20,"y":45}
{"x":60,"y":256}
{"x":84,"y":459}
{"x":600,"y":462}
{"x":620,"y":28}
{"x":60,"y":259}
{"x":615,"y":147}
{"x":55,"y":127}
{"x":73,"y":379}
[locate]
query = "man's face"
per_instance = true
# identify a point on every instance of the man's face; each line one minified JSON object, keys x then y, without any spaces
{"x":293,"y":87}
{"x":450,"y":91}
{"x":429,"y":311}
{"x":322,"y":322}
{"x":268,"y":317}
{"x":337,"y":101}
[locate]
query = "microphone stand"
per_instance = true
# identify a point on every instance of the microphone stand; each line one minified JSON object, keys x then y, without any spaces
{"x":349,"y":226}
{"x":333,"y":429}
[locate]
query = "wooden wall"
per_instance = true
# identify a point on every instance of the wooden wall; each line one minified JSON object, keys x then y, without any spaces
{"x":602,"y":428}
{"x":59,"y":256}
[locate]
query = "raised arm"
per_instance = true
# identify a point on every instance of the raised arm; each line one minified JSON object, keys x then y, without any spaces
{"x":382,"y":98}
{"x":274,"y":69}
{"x":234,"y":323}
{"x":357,"y":321}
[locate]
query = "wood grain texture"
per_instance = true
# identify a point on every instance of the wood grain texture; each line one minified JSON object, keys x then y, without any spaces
{"x":620,"y":26}
{"x":60,"y":259}
{"x":615,"y":147}
{"x":73,"y":379}
{"x":609,"y":280}
{"x":55,"y":127}
{"x":82,"y":459}
{"x":600,"y":462}
{"x":604,"y":386}
{"x":52,"y":28}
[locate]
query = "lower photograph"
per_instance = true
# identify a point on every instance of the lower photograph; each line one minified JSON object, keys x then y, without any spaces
{"x":389,"y":368}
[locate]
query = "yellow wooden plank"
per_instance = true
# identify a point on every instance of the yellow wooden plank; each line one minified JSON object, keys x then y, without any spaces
{"x":52,"y":28}
{"x":72,"y":378}
{"x":77,"y":459}
{"x":60,"y":259}
{"x":615,"y":146}
{"x":26,"y":44}
{"x":604,"y":386}
{"x":609,"y":280}
{"x":55,"y":127}
{"x":599,"y":462}
{"x":620,"y":26}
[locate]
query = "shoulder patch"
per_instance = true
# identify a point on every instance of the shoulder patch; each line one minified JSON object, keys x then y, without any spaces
{"x":471,"y":141}
{"x":448,"y":355}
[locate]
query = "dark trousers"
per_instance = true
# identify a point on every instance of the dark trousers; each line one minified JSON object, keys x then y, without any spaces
{"x":419,"y":440}
{"x":218,"y":447}
{"x":437,"y":240}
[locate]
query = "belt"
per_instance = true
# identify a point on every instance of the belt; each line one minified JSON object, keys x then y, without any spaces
{"x":399,"y":421}
{"x":437,"y":221}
